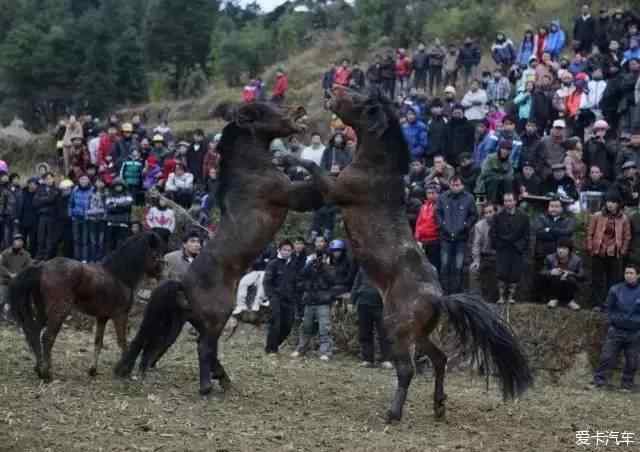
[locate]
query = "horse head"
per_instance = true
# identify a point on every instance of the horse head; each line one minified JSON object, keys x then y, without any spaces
{"x":262,"y":119}
{"x":375,"y":120}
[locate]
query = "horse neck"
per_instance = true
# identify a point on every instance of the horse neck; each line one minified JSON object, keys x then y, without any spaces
{"x":371,"y":151}
{"x":130,"y":274}
{"x":243,"y":157}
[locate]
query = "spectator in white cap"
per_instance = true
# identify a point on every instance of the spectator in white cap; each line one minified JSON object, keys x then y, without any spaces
{"x":449,"y":101}
{"x":550,"y":150}
{"x":601,"y":152}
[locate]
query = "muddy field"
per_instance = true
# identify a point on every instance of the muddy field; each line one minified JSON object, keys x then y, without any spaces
{"x":280,"y":404}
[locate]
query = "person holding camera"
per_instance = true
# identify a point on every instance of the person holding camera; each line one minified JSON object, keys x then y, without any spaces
{"x":317,"y":282}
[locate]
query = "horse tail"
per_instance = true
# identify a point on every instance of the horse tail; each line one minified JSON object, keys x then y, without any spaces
{"x":491,"y":341}
{"x":161,"y":325}
{"x":27,"y":307}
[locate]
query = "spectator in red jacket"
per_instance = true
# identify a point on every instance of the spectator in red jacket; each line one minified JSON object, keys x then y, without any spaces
{"x":250,"y":92}
{"x":427,"y":231}
{"x":106,"y":144}
{"x":342,"y":75}
{"x":281,"y":87}
{"x":403,"y":70}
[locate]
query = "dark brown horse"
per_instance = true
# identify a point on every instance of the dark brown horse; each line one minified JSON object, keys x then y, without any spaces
{"x":255,"y":197}
{"x":42,"y":296}
{"x":370,"y":193}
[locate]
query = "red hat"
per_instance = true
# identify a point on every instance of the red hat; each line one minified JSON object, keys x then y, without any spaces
{"x":152,"y":160}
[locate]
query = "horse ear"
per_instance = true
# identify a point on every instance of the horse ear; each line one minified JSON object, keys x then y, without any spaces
{"x":377,"y":119}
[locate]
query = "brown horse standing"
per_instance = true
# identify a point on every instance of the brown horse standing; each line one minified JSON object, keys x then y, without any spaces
{"x":370,"y":193}
{"x":254,"y":197}
{"x":42,"y":296}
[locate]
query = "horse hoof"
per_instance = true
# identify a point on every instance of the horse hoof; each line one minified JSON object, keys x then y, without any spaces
{"x":92,"y":372}
{"x":439,"y":411}
{"x":206,"y":390}
{"x":392,"y":417}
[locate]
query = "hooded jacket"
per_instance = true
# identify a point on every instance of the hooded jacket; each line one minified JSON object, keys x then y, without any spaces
{"x":415,"y":134}
{"x":555,"y":40}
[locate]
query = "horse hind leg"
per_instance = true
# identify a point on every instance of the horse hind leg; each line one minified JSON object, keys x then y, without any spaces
{"x":97,"y":344}
{"x":47,"y":338}
{"x":439,"y":362}
{"x":218,"y":371}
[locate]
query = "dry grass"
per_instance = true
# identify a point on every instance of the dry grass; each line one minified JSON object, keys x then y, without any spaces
{"x":279,"y":404}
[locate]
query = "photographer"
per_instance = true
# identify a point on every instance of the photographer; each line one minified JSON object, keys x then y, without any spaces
{"x":317,"y":283}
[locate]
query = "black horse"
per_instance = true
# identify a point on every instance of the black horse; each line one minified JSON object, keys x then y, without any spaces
{"x":255,"y":197}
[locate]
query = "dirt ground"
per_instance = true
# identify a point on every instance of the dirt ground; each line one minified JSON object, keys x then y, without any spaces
{"x":280,"y":405}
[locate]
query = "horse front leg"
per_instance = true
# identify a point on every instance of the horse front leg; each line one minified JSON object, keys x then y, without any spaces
{"x":205,"y":361}
{"x":47,"y":339}
{"x":401,"y":357}
{"x":97,"y":344}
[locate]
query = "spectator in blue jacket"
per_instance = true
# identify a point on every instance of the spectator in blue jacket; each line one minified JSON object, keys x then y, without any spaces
{"x":555,"y":41}
{"x":623,"y":335}
{"x":485,"y":144}
{"x":527,"y":47}
{"x":78,"y":206}
{"x":415,"y":133}
{"x":633,"y":52}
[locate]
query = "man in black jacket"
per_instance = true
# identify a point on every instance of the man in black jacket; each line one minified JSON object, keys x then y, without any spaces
{"x":456,"y":214}
{"x":510,"y":237}
{"x":195,"y":156}
{"x":45,"y":201}
{"x":370,"y":317}
{"x":436,"y":131}
{"x":584,"y":31}
{"x":460,"y":137}
{"x":279,"y":287}
{"x":29,"y":217}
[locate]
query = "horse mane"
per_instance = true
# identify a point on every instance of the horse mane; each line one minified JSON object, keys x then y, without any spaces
{"x":393,"y":137}
{"x":230,"y":134}
{"x":127,"y":263}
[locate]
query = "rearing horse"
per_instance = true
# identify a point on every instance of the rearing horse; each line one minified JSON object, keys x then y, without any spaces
{"x":370,"y":193}
{"x":255,"y":197}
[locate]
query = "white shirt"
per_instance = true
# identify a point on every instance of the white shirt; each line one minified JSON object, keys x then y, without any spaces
{"x":314,"y":154}
{"x":94,"y":144}
{"x":475,"y":112}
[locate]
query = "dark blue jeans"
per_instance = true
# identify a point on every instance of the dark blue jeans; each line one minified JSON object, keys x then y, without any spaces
{"x":617,"y":341}
{"x":96,"y":240}
{"x":80,"y":231}
{"x":451,"y":263}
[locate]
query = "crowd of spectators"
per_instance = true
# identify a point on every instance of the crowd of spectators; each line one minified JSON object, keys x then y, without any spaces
{"x":545,"y":132}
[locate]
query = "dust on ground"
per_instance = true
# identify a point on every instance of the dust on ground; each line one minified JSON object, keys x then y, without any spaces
{"x":280,"y":404}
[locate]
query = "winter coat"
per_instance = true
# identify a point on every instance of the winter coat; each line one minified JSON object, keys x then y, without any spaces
{"x":28,"y":215}
{"x":460,"y":138}
{"x":499,"y":91}
{"x":151,"y":177}
{"x":437,"y":55}
{"x":533,"y":185}
{"x":280,"y":280}
{"x":118,"y":207}
{"x":179,"y":183}
{"x":79,"y":202}
{"x":12,"y":263}
{"x":523,"y":102}
{"x":555,"y":41}
{"x":335,"y":156}
{"x":484,"y":146}
{"x":327,"y":79}
{"x":9,"y":204}
{"x":469,"y":56}
{"x":131,"y":173}
{"x":456,"y":214}
{"x":281,"y":86}
{"x":552,"y":185}
{"x":503,"y":53}
{"x":374,"y":75}
{"x":316,"y":281}
{"x":364,"y":293}
{"x":475,"y":105}
{"x":343,"y":273}
{"x":427,"y":224}
{"x":342,"y":76}
{"x":195,"y":159}
{"x":573,"y":266}
{"x":525,"y":52}
{"x":547,"y":154}
{"x":436,"y":136}
{"x":596,"y":230}
{"x":122,"y":149}
{"x":542,"y":111}
{"x":161,"y":218}
{"x":623,"y":306}
{"x":416,"y":137}
{"x":510,"y":232}
{"x":481,"y":244}
{"x":403,"y":67}
{"x":493,"y":169}
{"x":45,"y":200}
{"x":516,"y":143}
{"x":420,"y":61}
{"x":549,"y":231}
{"x":602,"y":155}
{"x":584,"y":30}
{"x":97,"y":209}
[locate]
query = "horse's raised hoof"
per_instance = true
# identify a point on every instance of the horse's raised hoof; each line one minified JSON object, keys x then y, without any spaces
{"x":392,"y":417}
{"x":92,"y":371}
